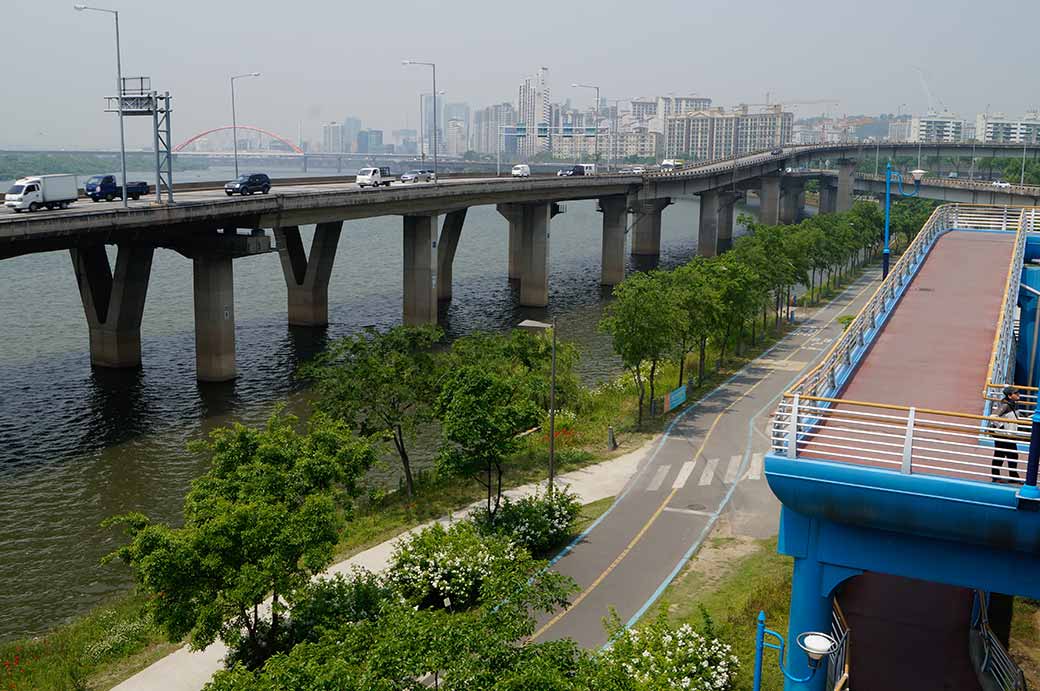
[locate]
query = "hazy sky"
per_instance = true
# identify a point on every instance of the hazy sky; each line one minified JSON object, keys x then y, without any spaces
{"x":322,"y":60}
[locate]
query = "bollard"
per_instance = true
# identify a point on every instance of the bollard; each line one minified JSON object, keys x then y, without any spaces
{"x":611,"y":441}
{"x":1029,"y":490}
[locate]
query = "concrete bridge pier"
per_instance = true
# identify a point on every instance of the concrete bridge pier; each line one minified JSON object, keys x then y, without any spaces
{"x":792,"y":199}
{"x":511,"y":213}
{"x":828,"y":197}
{"x":846,"y":172}
{"x":448,"y":243}
{"x":646,"y":232}
{"x":307,"y":278}
{"x":214,"y":283}
{"x":113,"y":303}
{"x":420,"y":299}
{"x":769,"y":200}
{"x":708,"y":226}
{"x":615,"y":218}
{"x":724,"y":240}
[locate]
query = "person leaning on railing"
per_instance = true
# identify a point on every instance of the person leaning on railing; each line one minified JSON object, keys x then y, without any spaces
{"x":1005,"y":435}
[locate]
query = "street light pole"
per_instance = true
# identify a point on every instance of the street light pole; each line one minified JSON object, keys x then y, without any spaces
{"x":595,"y":113}
{"x":234,"y":117}
{"x":433,"y":67}
{"x":552,"y":412}
{"x":918,"y":174}
{"x":1022,"y":175}
{"x":119,"y":91}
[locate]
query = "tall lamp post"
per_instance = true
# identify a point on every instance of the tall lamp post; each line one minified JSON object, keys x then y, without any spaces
{"x":119,"y":89}
{"x":532,"y":325}
{"x":596,"y":88}
{"x":889,"y":173}
{"x":234,"y":117}
{"x":433,"y":67}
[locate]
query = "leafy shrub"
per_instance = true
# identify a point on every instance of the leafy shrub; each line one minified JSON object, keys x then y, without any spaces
{"x":122,"y":636}
{"x":658,"y":656}
{"x":448,"y":567}
{"x":328,"y":603}
{"x":538,"y":522}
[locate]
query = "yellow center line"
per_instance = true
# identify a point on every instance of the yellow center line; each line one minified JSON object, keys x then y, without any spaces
{"x":660,"y":509}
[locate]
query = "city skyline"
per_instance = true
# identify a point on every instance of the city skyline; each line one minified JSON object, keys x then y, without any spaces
{"x":383,"y":95}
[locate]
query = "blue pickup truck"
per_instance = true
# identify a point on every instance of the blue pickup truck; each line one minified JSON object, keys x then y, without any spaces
{"x":104,"y":187}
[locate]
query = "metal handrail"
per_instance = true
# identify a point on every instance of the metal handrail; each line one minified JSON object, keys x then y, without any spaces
{"x":1004,"y":339}
{"x":995,"y":659}
{"x":903,"y":438}
{"x":838,"y":662}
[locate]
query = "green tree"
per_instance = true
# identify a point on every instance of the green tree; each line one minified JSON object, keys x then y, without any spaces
{"x":697,"y":306}
{"x":481,"y":413}
{"x":642,"y":322}
{"x":380,"y":383}
{"x":260,"y":522}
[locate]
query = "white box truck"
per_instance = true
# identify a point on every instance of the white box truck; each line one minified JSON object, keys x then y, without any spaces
{"x":39,"y":191}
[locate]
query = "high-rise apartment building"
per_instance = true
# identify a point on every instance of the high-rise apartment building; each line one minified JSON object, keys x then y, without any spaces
{"x":370,"y":142}
{"x":996,"y":128}
{"x":899,"y":129}
{"x":459,"y":112}
{"x":455,"y":143}
{"x":488,"y":124}
{"x":351,"y":127}
{"x":534,"y":110}
{"x":332,"y":138}
{"x":937,"y":127}
{"x":712,"y":134}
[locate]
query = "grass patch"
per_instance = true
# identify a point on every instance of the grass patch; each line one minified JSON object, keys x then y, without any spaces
{"x":1025,"y":639}
{"x":96,"y":651}
{"x":733,"y":578}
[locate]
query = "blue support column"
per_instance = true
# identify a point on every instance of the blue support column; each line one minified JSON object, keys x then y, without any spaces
{"x":810,"y":596}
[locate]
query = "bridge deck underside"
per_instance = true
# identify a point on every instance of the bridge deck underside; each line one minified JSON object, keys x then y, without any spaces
{"x":934,"y":350}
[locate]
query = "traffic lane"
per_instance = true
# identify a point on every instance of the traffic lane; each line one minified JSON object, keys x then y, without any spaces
{"x":756,"y":389}
{"x":85,"y":206}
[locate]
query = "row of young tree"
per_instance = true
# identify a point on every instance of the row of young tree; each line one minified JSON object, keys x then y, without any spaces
{"x":727,"y":301}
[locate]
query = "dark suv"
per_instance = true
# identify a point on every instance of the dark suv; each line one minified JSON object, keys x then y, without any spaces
{"x":248,"y":184}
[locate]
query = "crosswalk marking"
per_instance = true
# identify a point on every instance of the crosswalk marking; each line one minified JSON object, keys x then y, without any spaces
{"x":709,"y":472}
{"x":684,"y":474}
{"x":755,"y":471}
{"x":659,"y":477}
{"x":733,"y":469}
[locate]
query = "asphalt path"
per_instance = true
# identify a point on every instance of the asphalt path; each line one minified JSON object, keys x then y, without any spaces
{"x":708,"y":462}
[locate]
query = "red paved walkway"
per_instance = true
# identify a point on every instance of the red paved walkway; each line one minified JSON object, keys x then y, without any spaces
{"x":934,"y":350}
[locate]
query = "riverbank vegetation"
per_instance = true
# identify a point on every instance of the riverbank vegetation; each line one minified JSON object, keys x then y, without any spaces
{"x":14,"y":165}
{"x":374,"y":390}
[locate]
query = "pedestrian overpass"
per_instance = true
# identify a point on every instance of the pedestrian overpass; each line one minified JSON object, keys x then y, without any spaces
{"x":904,"y":544}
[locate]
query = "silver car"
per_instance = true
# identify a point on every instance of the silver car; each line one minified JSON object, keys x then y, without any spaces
{"x":418,"y":176}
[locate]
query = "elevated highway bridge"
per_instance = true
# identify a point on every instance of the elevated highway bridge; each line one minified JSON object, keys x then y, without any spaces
{"x":207,"y":227}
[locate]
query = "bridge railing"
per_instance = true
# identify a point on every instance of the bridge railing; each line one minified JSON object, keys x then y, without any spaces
{"x":990,"y":657}
{"x":811,"y":422}
{"x":906,"y":439}
{"x":838,"y":662}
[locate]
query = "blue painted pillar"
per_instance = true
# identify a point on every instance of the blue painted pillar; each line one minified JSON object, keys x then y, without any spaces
{"x":810,"y":607}
{"x":1028,"y":303}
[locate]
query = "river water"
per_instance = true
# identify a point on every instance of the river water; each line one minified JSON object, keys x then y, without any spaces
{"x":78,"y":445}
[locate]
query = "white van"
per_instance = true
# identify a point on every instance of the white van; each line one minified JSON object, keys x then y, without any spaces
{"x":521,"y":170}
{"x":584,"y":169}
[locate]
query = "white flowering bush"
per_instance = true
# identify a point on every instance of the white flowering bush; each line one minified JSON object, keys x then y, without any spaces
{"x":659,"y":656}
{"x":538,"y":522}
{"x":448,"y":567}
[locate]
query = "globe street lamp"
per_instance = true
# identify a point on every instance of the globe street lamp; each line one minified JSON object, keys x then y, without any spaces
{"x":119,"y":87}
{"x":814,"y":644}
{"x":433,"y":67}
{"x":917,"y":174}
{"x":234,"y":117}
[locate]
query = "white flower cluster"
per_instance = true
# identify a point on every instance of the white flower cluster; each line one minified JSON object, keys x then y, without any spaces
{"x":660,"y":657}
{"x":446,"y":568}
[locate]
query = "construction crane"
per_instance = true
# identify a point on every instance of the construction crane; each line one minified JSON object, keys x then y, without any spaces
{"x":821,"y":101}
{"x":928,"y":91}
